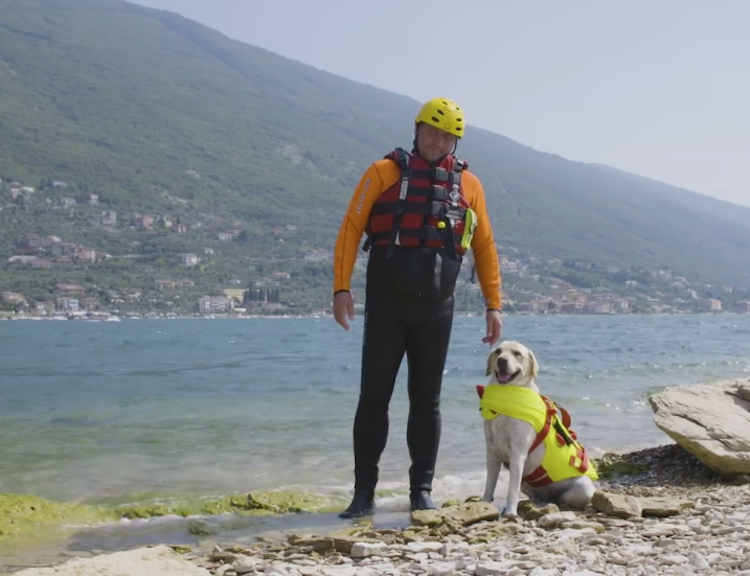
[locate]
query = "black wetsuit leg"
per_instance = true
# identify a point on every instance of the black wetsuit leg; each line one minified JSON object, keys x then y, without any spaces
{"x":383,"y":349}
{"x":421,"y":330}
{"x":405,"y":314}
{"x":427,"y":349}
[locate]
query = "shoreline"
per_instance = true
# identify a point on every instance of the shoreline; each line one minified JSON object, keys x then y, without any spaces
{"x":326,"y":315}
{"x":661,"y":472}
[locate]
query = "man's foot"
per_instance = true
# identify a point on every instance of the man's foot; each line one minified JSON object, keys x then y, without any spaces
{"x":363,"y":503}
{"x":421,"y":500}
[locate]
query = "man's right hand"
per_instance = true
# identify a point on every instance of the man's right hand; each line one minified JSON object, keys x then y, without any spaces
{"x":343,"y":307}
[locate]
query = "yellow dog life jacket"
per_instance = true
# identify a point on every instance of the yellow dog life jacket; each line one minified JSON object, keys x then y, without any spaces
{"x":564,"y":456}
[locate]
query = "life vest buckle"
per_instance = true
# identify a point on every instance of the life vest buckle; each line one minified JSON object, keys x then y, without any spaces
{"x":437,"y":209}
{"x":440,"y":174}
{"x":438,"y":192}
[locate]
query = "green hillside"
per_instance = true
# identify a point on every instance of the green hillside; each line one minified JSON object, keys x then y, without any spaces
{"x":159,"y":115}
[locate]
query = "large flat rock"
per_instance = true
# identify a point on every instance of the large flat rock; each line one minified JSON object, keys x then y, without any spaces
{"x":463,"y":514}
{"x":156,"y":561}
{"x":711,"y":421}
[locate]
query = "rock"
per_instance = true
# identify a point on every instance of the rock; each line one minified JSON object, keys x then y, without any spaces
{"x":443,"y":569}
{"x":198,"y":527}
{"x":528,"y":511}
{"x":312,"y":542}
{"x":222,"y":556}
{"x":339,"y":571}
{"x":698,"y":560}
{"x":365,"y":549}
{"x":539,"y":571}
{"x":491,"y":569}
{"x":417,"y":547}
{"x":578,"y":524}
{"x":711,"y":421}
{"x":160,"y":560}
{"x":464,"y":514}
{"x":617,"y":505}
{"x":344,"y":543}
{"x":241,"y":569}
{"x":500,"y":527}
{"x":664,"y":506}
{"x":556,"y":518}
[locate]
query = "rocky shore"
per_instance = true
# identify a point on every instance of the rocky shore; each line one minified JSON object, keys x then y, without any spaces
{"x":621,"y":535}
{"x":659,"y":512}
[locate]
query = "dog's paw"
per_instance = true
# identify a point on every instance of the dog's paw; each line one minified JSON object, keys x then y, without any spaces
{"x":510,"y":515}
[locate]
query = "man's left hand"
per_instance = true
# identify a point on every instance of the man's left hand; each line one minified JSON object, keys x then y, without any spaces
{"x":494,"y":327}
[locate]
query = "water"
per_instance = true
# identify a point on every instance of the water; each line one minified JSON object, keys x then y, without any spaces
{"x":124,"y":411}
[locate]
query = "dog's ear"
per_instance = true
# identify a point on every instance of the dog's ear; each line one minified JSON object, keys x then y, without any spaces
{"x":533,"y":364}
{"x":490,"y":360}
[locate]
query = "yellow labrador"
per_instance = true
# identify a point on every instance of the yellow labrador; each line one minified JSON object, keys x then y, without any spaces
{"x":523,"y":431}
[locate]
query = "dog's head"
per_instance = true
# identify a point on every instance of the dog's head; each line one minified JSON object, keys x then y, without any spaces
{"x":512,"y":363}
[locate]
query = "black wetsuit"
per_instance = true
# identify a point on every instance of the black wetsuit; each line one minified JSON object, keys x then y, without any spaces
{"x":408,"y":311}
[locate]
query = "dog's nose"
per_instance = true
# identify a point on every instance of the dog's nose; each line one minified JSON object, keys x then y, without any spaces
{"x":502,"y":363}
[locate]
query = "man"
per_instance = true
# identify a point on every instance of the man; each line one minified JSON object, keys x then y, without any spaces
{"x":421,"y":212}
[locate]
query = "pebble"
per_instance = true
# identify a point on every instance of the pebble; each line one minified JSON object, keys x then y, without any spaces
{"x":711,"y":538}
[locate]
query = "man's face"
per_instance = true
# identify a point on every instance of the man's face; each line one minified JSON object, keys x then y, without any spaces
{"x":434,"y":144}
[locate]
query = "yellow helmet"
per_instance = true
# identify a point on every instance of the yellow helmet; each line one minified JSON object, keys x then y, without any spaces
{"x":444,"y":114}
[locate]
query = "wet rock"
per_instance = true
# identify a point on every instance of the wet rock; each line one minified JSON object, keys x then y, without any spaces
{"x":464,"y":514}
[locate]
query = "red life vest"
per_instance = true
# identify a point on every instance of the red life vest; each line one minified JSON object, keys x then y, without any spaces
{"x":409,"y":212}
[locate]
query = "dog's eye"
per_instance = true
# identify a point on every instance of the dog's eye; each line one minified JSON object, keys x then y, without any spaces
{"x":516,"y":353}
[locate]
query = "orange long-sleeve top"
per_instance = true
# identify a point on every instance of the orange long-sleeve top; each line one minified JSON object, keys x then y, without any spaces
{"x":380,"y":176}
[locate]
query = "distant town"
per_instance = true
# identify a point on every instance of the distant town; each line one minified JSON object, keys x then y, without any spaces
{"x":531,"y":284}
{"x":265,"y":296}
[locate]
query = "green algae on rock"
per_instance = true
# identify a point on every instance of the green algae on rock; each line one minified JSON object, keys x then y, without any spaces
{"x":21,"y":514}
{"x":283,"y":502}
{"x":256,"y":503}
{"x":612,"y":465}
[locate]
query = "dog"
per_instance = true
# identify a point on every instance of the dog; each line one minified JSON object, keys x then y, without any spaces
{"x":513,"y":441}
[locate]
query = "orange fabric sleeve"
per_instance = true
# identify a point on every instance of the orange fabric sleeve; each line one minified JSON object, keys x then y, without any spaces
{"x":352,"y":228}
{"x":483,"y":246}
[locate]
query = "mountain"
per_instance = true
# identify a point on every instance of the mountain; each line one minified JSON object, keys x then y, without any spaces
{"x":157,"y":114}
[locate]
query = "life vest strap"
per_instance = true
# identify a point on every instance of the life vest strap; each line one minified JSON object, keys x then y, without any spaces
{"x":551,"y":414}
{"x":567,"y":421}
{"x":538,"y":478}
{"x":400,"y":156}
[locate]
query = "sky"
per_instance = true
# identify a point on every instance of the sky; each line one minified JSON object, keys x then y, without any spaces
{"x":661,"y":89}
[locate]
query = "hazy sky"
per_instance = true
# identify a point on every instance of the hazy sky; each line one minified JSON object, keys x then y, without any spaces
{"x":660,"y":88}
